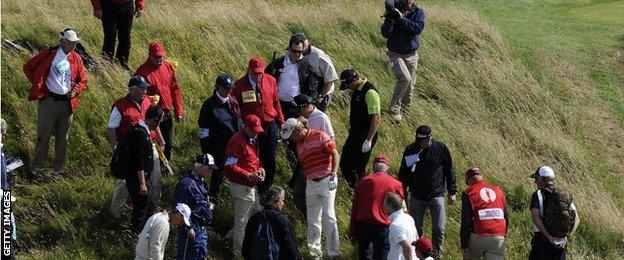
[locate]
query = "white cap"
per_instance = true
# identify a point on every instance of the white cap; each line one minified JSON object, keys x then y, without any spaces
{"x":69,"y":34}
{"x":185,"y":211}
{"x":289,"y":126}
{"x":544,"y":171}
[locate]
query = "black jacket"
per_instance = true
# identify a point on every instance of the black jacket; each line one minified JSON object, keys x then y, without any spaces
{"x":283,"y":232}
{"x":432,"y":171}
{"x":224,"y":121}
{"x":140,"y":153}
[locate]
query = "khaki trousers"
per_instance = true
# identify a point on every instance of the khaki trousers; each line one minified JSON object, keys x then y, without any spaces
{"x":246,"y":203}
{"x":53,"y":116}
{"x":404,"y":67}
{"x":486,"y":247}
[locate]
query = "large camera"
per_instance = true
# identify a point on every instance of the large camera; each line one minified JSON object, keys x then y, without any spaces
{"x":391,"y":8}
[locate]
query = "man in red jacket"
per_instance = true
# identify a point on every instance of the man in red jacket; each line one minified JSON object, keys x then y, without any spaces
{"x":117,"y":16}
{"x":161,"y":75}
{"x":127,"y":111}
{"x":369,"y":224}
{"x":243,"y":169}
{"x":58,"y":77}
{"x":256,"y":93}
{"x":484,"y":218}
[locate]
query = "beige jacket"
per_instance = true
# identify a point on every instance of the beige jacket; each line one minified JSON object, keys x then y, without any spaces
{"x":153,"y":238}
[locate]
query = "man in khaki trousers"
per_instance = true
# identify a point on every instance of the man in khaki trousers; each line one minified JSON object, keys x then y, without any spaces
{"x":403,"y":23}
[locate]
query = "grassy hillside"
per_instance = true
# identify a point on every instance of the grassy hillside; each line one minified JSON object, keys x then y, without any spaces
{"x":507,"y":85}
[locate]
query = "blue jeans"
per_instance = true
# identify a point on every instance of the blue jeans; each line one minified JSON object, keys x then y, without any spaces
{"x":372,"y":233}
{"x":438,"y":219}
{"x":196,"y":248}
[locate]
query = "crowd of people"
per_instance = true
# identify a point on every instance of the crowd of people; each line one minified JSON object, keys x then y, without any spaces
{"x":239,"y":128}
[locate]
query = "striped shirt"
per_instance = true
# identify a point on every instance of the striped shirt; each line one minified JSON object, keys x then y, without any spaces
{"x":315,"y":154}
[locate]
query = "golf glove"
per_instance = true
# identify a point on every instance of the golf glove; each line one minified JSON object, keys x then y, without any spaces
{"x":366,"y":146}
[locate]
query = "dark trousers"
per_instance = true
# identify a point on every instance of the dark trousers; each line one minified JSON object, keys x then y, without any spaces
{"x":217,"y":178}
{"x":289,"y":110}
{"x":166,"y":129}
{"x":372,"y":233}
{"x":117,"y":24}
{"x":542,"y":249}
{"x":353,"y":161}
{"x":267,"y":142}
{"x":140,"y":206}
{"x":195,"y":248}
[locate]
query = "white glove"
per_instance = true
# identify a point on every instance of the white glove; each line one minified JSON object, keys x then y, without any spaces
{"x":366,"y":146}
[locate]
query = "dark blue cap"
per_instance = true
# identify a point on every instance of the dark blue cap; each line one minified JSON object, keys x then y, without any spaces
{"x":138,"y":81}
{"x":224,"y":81}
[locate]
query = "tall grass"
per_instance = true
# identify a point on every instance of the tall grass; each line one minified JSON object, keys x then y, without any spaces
{"x":481,"y":98}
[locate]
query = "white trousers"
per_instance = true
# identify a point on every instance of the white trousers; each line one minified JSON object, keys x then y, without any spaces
{"x":320,"y":209}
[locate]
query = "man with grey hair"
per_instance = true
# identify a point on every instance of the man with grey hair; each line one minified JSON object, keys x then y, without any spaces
{"x":402,"y":231}
{"x":273,"y":201}
{"x":369,"y":224}
{"x":58,"y":77}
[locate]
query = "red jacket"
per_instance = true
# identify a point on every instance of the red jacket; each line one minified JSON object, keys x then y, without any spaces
{"x":38,"y":68}
{"x":130,"y":113}
{"x":139,"y":4}
{"x":269,"y":108}
{"x":164,"y":83}
{"x":368,"y":200}
{"x":487,"y":202}
{"x":241,"y":159}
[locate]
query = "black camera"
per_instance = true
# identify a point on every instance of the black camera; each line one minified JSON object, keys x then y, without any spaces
{"x":391,"y":8}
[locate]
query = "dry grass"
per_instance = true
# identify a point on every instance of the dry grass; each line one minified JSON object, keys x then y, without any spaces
{"x":472,"y":89}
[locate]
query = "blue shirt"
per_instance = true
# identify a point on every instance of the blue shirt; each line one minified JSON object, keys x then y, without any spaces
{"x":3,"y":170}
{"x":403,"y":34}
{"x":192,"y":192}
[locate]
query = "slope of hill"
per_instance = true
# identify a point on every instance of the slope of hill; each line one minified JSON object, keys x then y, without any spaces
{"x":543,"y":90}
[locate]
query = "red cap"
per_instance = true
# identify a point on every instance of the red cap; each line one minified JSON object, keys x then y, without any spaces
{"x":382,"y":159}
{"x":256,"y":65}
{"x":156,"y":49}
{"x":253,"y":122}
{"x":472,"y":172}
{"x":423,"y":245}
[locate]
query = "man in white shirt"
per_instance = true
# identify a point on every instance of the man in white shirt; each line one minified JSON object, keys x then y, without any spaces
{"x":153,"y":238}
{"x":58,"y":77}
{"x":317,"y":119}
{"x":286,"y":71}
{"x":402,"y":229}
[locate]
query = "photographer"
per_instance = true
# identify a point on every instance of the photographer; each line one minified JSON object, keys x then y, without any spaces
{"x":403,"y":23}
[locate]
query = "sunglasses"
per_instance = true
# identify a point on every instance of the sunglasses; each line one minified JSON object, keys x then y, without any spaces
{"x":297,"y":51}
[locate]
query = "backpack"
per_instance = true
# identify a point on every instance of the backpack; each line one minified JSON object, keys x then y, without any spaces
{"x":264,"y":245}
{"x":120,"y":159}
{"x":557,"y":215}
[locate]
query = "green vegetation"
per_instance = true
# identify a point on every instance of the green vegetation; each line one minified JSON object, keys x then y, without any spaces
{"x":508,"y":85}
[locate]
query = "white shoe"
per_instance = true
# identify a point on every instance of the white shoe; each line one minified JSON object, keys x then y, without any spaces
{"x":396,"y":117}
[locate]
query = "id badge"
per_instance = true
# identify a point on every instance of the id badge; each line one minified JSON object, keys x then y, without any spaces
{"x":249,"y":96}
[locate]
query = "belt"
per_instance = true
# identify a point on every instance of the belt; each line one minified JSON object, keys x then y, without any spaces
{"x":321,"y":178}
{"x":58,"y":97}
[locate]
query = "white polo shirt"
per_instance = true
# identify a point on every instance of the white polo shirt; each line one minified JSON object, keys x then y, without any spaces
{"x":318,"y":120}
{"x":401,"y":229}
{"x":288,"y":82}
{"x":58,"y":80}
{"x":153,"y":238}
